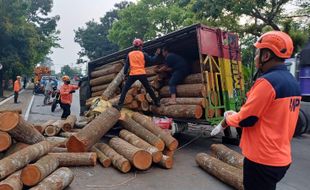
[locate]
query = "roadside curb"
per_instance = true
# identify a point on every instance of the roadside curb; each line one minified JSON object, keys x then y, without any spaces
{"x":9,"y":98}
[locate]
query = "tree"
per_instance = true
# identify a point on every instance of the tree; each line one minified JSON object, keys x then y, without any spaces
{"x":71,"y":72}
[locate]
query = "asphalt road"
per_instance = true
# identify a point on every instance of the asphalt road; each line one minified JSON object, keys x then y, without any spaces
{"x":185,"y":175}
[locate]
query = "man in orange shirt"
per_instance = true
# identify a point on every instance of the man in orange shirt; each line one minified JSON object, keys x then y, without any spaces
{"x":269,"y":116}
{"x":17,"y":86}
{"x":66,"y":91}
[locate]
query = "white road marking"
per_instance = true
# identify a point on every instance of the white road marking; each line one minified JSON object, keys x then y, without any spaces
{"x":29,"y":108}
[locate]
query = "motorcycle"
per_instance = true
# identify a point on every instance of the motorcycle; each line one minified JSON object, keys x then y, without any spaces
{"x":48,"y":95}
{"x":56,"y":100}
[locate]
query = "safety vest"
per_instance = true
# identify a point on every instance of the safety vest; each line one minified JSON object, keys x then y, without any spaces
{"x":137,"y":63}
{"x":16,"y":86}
{"x":65,"y":96}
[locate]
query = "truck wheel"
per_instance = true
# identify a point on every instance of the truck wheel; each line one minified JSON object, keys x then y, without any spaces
{"x":302,"y":124}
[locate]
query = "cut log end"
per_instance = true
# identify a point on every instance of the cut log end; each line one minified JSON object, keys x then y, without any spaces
{"x":160,"y":145}
{"x":166,"y":162}
{"x":173,"y":145}
{"x":142,"y":160}
{"x":75,"y":145}
{"x":8,"y":121}
{"x":31,"y":175}
{"x":157,"y":156}
{"x":67,"y":127}
{"x":126,"y":166}
{"x":6,"y":187}
{"x":5,"y":141}
{"x":198,"y":112}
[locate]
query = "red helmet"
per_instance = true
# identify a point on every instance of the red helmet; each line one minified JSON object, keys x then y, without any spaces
{"x":137,"y":42}
{"x":278,"y":42}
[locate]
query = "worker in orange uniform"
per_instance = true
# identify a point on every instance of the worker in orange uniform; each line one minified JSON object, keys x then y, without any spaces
{"x":135,"y":63}
{"x":269,"y":116}
{"x":17,"y":87}
{"x":66,"y":91}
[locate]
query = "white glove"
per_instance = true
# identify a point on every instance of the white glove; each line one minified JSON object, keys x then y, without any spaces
{"x":229,"y":112}
{"x":217,"y":129}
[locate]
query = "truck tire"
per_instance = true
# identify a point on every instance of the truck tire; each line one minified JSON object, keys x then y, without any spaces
{"x":302,"y":124}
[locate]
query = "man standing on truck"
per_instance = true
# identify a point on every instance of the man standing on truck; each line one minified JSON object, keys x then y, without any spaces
{"x":179,"y":68}
{"x":66,"y":91}
{"x":269,"y":116}
{"x":135,"y":63}
{"x":17,"y":87}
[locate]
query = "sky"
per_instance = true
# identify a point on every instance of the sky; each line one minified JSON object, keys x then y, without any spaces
{"x":74,"y":14}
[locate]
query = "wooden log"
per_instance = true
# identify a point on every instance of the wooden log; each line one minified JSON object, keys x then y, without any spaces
{"x":69,"y":123}
{"x":184,"y":101}
{"x":133,"y":105}
{"x":168,"y":152}
{"x":18,"y":160}
{"x":103,"y":159}
{"x":99,"y":87}
{"x":14,"y":148}
{"x":67,"y":134}
{"x":127,"y":112}
{"x":102,"y":80}
{"x":5,"y":142}
{"x":58,"y":180}
{"x":179,"y":111}
{"x":139,"y":158}
{"x":19,"y":111}
{"x":41,"y":127}
{"x":92,"y":132}
{"x":98,"y":93}
{"x":58,"y":149}
{"x":106,"y":71}
{"x":13,"y":182}
{"x":225,"y":172}
{"x":152,"y":70}
{"x":57,"y":141}
{"x":227,"y":155}
{"x":144,"y":105}
{"x":141,"y":132}
{"x":118,"y":161}
{"x":184,"y":90}
{"x":140,"y":97}
{"x":109,"y":65}
{"x":140,"y":143}
{"x":111,"y":89}
{"x":166,"y":162}
{"x":146,"y":122}
{"x":19,"y":129}
{"x":54,"y":129}
{"x":128,"y":99}
{"x":193,"y":79}
{"x":32,"y":174}
{"x":75,"y":158}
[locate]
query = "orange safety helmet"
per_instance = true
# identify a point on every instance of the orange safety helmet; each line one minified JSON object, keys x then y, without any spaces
{"x":65,"y":78}
{"x":137,"y":42}
{"x":278,"y":42}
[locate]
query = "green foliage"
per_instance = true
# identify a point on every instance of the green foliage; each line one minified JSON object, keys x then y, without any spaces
{"x":71,"y":72}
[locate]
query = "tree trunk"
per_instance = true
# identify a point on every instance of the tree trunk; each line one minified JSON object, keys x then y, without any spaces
{"x":185,"y":101}
{"x":184,"y":90}
{"x":99,"y":88}
{"x":6,"y":141}
{"x":226,"y":173}
{"x":14,"y":148}
{"x":133,"y":105}
{"x":141,"y":132}
{"x":166,"y":162}
{"x":140,"y":143}
{"x":109,"y":70}
{"x":67,"y":134}
{"x":19,"y":111}
{"x":19,"y":129}
{"x":227,"y":155}
{"x":18,"y":160}
{"x":127,"y":112}
{"x":146,"y":122}
{"x":103,"y":159}
{"x":34,"y":173}
{"x":144,"y":105}
{"x":98,"y":93}
{"x":92,"y":132}
{"x":193,"y":79}
{"x":168,"y":152}
{"x":58,"y":180}
{"x":151,"y":71}
{"x":139,"y":158}
{"x":54,"y":129}
{"x":179,"y":111}
{"x":118,"y":160}
{"x":105,"y":66}
{"x":111,"y":89}
{"x":58,"y":150}
{"x":57,"y":141}
{"x":13,"y":182}
{"x":75,"y":159}
{"x":69,"y":123}
{"x":102,"y":80}
{"x":41,"y":127}
{"x":140,"y":97}
{"x":128,"y":99}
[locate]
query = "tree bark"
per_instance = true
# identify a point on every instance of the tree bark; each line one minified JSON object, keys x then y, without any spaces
{"x":92,"y":132}
{"x":5,"y":142}
{"x":226,"y":173}
{"x":151,"y":71}
{"x":146,"y":122}
{"x":67,"y":134}
{"x":69,"y":123}
{"x":128,"y":99}
{"x":144,"y":105}
{"x":140,"y":97}
{"x":54,"y":129}
{"x":168,"y":152}
{"x":34,"y":173}
{"x":58,"y":180}
{"x":185,"y":101}
{"x":227,"y":155}
{"x":97,"y":94}
{"x":140,"y":143}
{"x":141,"y":132}
{"x":111,"y":89}
{"x":179,"y":111}
{"x":139,"y":158}
{"x":99,"y":88}
{"x":13,"y":182}
{"x":14,"y":148}
{"x":75,"y":159}
{"x":57,"y":141}
{"x":193,"y":79}
{"x":102,"y":80}
{"x":166,"y":162}
{"x":108,"y":70}
{"x":19,"y":111}
{"x":58,"y":150}
{"x":41,"y":127}
{"x":184,"y":90}
{"x":133,"y":105}
{"x":118,"y":161}
{"x":109,"y":65}
{"x":103,"y":159}
{"x":19,"y":129}
{"x":18,"y":160}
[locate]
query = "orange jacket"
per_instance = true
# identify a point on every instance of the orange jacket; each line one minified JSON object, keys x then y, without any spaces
{"x":137,"y":63}
{"x":65,"y":96}
{"x":269,"y":117}
{"x":16,"y":86}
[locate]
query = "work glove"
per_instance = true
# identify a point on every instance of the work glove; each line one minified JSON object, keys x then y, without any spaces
{"x":72,"y":91}
{"x":228,"y":113}
{"x":219,"y":128}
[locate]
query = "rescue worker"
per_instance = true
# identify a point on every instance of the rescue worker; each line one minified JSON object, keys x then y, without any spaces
{"x":66,"y":91}
{"x":48,"y":88}
{"x":269,"y":116}
{"x":135,"y":63}
{"x":179,"y":68}
{"x":17,"y":86}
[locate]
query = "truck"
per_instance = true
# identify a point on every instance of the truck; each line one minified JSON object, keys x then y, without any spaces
{"x":39,"y":73}
{"x":214,"y":55}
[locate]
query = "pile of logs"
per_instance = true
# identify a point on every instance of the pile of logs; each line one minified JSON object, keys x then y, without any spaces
{"x":223,"y":163}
